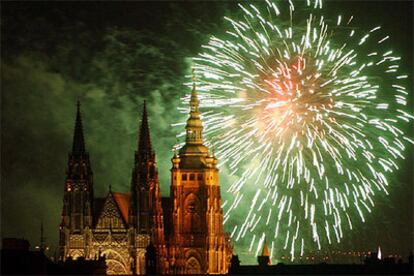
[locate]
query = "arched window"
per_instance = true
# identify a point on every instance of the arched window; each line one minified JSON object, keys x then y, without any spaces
{"x":192,"y":266}
{"x":192,"y":209}
{"x":116,"y":263}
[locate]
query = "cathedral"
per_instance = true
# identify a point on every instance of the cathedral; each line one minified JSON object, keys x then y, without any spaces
{"x":141,"y":232}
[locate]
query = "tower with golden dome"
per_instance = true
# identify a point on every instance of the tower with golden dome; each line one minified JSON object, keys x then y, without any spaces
{"x":198,"y":244}
{"x":141,"y":232}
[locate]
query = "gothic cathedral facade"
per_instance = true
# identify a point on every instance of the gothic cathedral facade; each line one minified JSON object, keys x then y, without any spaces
{"x":141,"y":232}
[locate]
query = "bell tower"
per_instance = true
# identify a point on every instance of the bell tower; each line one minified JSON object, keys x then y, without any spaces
{"x":77,"y":213}
{"x":198,"y":244}
{"x":146,"y":223}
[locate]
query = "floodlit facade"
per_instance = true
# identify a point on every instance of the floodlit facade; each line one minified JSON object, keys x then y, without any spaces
{"x":141,"y":232}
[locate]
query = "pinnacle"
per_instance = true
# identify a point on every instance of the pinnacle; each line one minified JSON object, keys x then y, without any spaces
{"x":144,"y":143}
{"x":265,"y":251}
{"x":194,"y":102}
{"x":78,"y":140}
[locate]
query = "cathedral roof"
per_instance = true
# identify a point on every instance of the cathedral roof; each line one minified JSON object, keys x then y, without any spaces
{"x":122,"y":200}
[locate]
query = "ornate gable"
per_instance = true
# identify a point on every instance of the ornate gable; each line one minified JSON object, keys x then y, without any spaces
{"x":122,"y":200}
{"x":110,"y":216}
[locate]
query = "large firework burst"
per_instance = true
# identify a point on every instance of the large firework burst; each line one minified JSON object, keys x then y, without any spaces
{"x":309,"y":115}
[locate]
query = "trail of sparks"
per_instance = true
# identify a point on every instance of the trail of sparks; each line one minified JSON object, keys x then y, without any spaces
{"x":299,"y":113}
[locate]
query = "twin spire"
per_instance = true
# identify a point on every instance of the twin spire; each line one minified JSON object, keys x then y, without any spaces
{"x":144,"y":142}
{"x":78,"y":146}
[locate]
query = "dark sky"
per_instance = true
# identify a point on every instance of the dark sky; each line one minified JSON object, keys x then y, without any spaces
{"x":112,"y":56}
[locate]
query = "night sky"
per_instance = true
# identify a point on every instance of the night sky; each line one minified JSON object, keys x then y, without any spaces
{"x":113,"y":55}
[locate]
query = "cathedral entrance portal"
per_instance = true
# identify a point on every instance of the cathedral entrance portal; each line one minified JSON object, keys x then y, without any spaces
{"x":192,"y":266}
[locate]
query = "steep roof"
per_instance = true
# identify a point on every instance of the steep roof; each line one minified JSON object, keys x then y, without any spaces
{"x":114,"y":204}
{"x":122,"y":200}
{"x":265,"y":251}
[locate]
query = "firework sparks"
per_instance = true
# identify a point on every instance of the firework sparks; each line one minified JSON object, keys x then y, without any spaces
{"x":298,"y":113}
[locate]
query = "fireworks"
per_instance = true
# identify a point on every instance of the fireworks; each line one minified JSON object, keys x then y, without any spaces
{"x":308,"y":113}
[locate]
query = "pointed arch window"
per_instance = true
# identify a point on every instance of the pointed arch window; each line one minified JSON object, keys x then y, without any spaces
{"x":192,"y":210}
{"x":192,"y":266}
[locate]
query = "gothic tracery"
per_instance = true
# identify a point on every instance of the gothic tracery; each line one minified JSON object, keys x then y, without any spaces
{"x":186,"y":230}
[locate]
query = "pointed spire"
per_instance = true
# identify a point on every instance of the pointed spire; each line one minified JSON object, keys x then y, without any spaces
{"x":265,"y":251}
{"x":42,"y":238}
{"x":78,"y":141}
{"x":194,"y":125}
{"x":264,"y":258}
{"x":194,"y":102}
{"x":144,"y":143}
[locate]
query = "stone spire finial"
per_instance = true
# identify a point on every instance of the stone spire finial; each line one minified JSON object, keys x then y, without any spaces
{"x":144,"y":143}
{"x":193,"y":77}
{"x":78,"y":146}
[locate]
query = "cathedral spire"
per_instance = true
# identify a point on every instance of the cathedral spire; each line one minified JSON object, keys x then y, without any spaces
{"x":194,"y":102}
{"x":194,"y":125}
{"x":144,"y":143}
{"x":78,"y":141}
